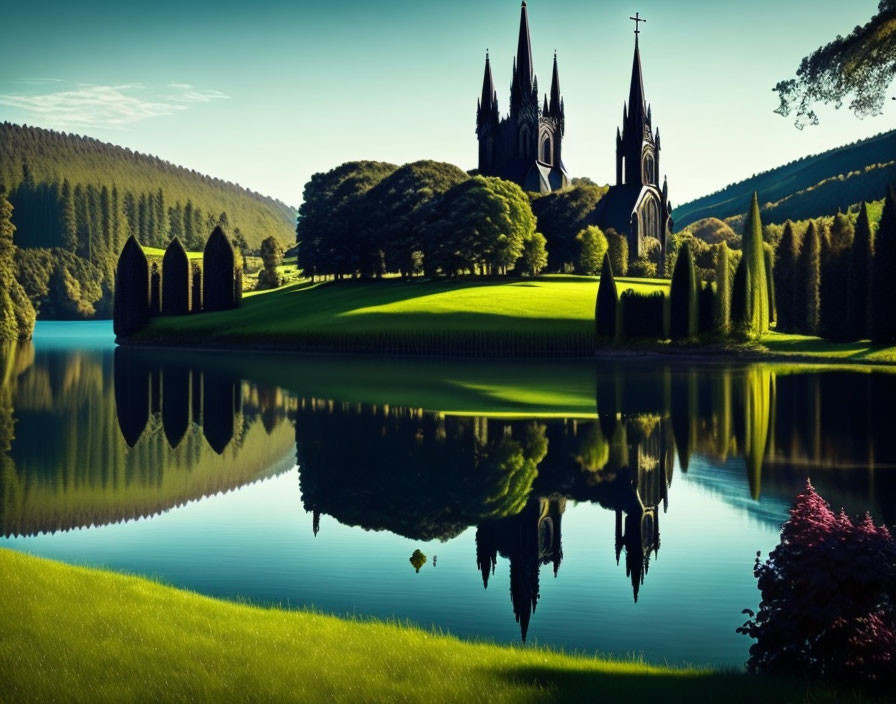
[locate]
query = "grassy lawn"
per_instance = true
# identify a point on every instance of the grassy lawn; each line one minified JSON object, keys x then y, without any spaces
{"x":158,"y":252}
{"x":786,"y":344}
{"x":549,"y":310}
{"x":546,"y":316}
{"x":74,"y":634}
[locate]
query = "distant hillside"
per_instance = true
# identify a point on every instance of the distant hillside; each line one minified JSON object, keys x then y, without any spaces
{"x":50,"y":158}
{"x":810,"y":187}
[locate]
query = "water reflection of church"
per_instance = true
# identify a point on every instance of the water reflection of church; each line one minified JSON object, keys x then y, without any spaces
{"x":429,"y":476}
{"x":533,"y":538}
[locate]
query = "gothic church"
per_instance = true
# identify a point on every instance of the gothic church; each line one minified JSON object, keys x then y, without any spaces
{"x":526,"y":148}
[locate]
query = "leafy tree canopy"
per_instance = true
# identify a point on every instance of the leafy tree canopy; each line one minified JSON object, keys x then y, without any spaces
{"x":861,"y":65}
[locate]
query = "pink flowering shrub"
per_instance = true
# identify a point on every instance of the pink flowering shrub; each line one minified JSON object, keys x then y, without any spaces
{"x":828,"y":604}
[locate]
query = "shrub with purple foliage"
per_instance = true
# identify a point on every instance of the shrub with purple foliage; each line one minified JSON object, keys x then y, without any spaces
{"x":828,"y":604}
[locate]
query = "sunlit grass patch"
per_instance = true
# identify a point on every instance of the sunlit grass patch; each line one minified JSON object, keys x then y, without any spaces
{"x":86,"y":635}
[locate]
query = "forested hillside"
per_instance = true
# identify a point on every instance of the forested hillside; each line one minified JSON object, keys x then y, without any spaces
{"x":76,"y":200}
{"x":811,"y":187}
{"x":157,"y":199}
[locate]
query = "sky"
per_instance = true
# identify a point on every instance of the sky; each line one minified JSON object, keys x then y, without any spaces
{"x":267,"y":94}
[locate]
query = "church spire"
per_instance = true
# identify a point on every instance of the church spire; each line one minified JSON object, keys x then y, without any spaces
{"x":636,"y":107}
{"x":488,"y":101}
{"x":555,"y":89}
{"x":524,"y":70}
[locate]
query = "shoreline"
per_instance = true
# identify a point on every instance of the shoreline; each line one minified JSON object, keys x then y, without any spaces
{"x":687,"y":354}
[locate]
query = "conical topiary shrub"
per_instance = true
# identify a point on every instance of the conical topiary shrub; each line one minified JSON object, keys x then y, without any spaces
{"x":607,"y":302}
{"x":218,"y":272}
{"x":131,"y":304}
{"x":175,"y":279}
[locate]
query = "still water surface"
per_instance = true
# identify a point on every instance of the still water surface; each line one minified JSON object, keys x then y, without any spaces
{"x":623,"y":517}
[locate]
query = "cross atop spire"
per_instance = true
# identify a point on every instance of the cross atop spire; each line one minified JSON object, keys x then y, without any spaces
{"x":637,"y":19}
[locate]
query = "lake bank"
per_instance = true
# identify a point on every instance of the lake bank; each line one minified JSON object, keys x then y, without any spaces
{"x":549,"y":317}
{"x":134,"y":639}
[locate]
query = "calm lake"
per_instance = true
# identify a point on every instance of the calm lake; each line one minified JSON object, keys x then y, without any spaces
{"x":596,"y":507}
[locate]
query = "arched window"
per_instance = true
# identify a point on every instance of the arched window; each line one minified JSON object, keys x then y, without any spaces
{"x":650,"y":218}
{"x":649,"y":169}
{"x":546,"y":151}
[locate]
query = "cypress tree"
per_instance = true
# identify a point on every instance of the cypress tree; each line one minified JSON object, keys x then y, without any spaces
{"x":842,"y":232}
{"x":683,"y":296}
{"x":607,"y":301}
{"x":883,"y":299}
{"x":739,"y":317}
{"x":175,"y":279}
{"x":723,"y":288}
{"x":809,"y":282}
{"x":858,"y":290}
{"x":756,"y":290}
{"x":769,"y":254}
{"x":131,"y":305}
{"x":218,"y":272}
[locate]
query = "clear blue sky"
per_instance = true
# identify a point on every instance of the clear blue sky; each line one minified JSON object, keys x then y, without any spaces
{"x":265,"y":96}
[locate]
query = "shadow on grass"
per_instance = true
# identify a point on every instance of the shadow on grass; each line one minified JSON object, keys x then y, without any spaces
{"x":583,"y":686}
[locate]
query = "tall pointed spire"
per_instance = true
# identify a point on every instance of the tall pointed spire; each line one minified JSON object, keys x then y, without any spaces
{"x":555,"y":89}
{"x":486,"y":102}
{"x":524,"y":70}
{"x":636,"y":107}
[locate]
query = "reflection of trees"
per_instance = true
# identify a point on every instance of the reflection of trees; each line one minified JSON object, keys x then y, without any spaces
{"x":112,"y":457}
{"x":416,"y":474}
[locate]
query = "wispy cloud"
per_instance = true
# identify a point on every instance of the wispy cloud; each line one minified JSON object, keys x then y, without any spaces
{"x":116,"y":106}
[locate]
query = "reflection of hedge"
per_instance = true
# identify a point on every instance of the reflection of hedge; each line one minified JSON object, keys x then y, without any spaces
{"x":175,"y":279}
{"x":643,"y":315}
{"x":218,"y":272}
{"x":131,"y":306}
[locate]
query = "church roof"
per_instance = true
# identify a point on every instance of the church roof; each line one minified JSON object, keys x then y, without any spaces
{"x":616,"y":207}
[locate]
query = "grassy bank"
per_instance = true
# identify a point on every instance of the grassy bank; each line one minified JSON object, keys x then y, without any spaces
{"x":551,"y":316}
{"x":85,"y":635}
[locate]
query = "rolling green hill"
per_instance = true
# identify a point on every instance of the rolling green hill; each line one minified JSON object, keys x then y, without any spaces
{"x":810,"y":187}
{"x":36,"y":162}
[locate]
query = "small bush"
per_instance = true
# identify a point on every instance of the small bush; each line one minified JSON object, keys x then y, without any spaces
{"x":642,"y":268}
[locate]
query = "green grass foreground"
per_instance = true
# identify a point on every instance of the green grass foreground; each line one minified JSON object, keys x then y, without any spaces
{"x":76,"y":634}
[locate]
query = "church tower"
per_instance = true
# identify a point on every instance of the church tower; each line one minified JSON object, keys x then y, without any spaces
{"x":637,"y":206}
{"x":526,"y":146}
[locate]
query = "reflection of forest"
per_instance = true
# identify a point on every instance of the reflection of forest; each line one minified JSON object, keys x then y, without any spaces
{"x":100,"y":440}
{"x":426,"y":476}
